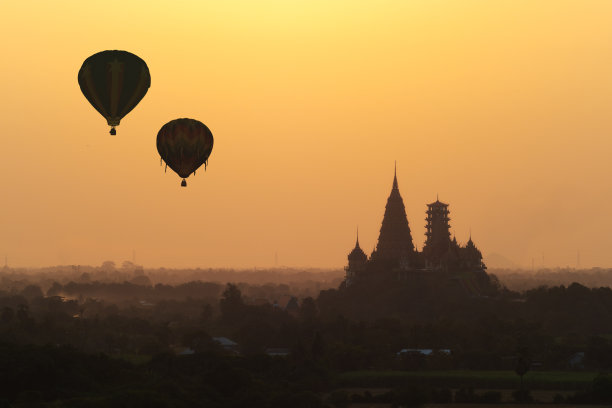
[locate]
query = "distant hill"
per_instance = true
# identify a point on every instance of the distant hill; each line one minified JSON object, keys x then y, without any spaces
{"x":498,"y":261}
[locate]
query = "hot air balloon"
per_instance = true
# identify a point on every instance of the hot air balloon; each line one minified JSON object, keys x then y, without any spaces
{"x":184,"y":144}
{"x":114,"y":82}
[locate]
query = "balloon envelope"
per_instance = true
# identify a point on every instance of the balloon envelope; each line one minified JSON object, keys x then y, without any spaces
{"x":184,"y":144}
{"x":114,"y":82}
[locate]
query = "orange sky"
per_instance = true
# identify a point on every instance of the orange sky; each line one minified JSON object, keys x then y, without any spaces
{"x":501,"y":107}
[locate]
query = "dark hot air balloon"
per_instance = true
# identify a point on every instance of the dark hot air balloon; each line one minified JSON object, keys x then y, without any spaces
{"x":184,"y":144}
{"x":114,"y":82}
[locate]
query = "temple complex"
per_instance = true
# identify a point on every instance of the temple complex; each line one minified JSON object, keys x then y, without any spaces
{"x":395,"y":259}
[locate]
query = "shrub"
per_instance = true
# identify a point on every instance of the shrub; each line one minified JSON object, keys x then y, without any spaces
{"x":522,"y":396}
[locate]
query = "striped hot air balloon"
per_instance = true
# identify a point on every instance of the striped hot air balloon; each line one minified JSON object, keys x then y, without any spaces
{"x":114,"y":82}
{"x":184,"y":144}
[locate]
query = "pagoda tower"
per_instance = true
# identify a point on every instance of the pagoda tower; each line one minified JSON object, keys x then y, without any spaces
{"x":438,"y":239}
{"x":395,"y":240}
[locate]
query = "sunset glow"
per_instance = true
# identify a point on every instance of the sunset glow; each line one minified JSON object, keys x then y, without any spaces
{"x":502,"y":108}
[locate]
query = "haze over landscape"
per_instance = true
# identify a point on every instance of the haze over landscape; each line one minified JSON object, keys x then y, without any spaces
{"x":398,"y":203}
{"x":502,"y":108}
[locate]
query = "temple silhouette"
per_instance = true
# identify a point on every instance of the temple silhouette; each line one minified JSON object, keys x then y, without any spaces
{"x":395,"y":258}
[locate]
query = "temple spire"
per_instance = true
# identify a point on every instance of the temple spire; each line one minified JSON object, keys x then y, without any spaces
{"x":357,"y":243}
{"x":395,"y":187}
{"x":395,"y":239}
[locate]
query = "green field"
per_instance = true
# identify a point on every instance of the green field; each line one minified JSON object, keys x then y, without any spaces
{"x":558,"y":380}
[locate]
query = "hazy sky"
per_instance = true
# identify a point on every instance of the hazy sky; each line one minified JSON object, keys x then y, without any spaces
{"x":504,"y":108}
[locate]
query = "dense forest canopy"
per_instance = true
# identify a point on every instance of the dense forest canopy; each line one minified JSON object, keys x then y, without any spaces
{"x":303,"y":326}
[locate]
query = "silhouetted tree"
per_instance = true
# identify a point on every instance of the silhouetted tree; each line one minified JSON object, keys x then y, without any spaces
{"x":7,"y":315}
{"x":318,"y":347}
{"x":142,"y":280}
{"x":55,"y":289}
{"x":602,"y":389}
{"x":523,"y":364}
{"x":23,"y":313}
{"x":207,"y":313}
{"x":231,"y":303}
{"x":308,"y":310}
{"x":32,"y":292}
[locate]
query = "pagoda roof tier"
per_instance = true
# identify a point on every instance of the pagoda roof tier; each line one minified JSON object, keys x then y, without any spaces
{"x":437,"y":203}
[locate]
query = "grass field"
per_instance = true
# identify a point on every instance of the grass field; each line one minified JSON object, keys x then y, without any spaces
{"x":557,"y":380}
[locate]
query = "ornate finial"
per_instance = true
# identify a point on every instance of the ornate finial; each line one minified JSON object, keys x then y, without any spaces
{"x":470,"y":233}
{"x":357,"y":243}
{"x":395,"y":176}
